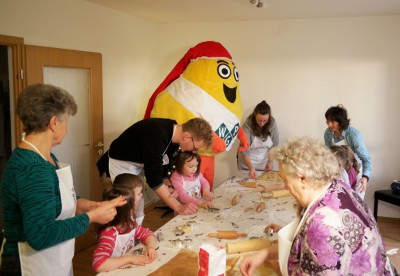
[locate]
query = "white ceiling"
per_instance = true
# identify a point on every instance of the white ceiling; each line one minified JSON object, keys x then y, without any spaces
{"x":183,"y":11}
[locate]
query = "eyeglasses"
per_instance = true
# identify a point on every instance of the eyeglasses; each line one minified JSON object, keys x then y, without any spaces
{"x":194,"y":147}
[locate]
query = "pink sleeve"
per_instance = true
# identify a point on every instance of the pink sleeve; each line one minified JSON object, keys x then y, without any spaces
{"x":104,"y":248}
{"x":177,"y":182}
{"x":204,"y":183}
{"x":142,"y":233}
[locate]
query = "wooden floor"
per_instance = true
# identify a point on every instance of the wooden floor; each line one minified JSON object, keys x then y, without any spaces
{"x":389,"y":228}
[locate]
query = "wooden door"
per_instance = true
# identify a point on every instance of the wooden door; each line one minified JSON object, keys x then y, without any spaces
{"x":80,"y":73}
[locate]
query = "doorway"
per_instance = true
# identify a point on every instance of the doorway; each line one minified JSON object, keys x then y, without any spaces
{"x":5,"y":116}
{"x":11,"y":84}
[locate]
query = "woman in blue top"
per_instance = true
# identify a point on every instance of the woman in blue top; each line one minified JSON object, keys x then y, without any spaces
{"x":42,"y":215}
{"x":339,"y":132}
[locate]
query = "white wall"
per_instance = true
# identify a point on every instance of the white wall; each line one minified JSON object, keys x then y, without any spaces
{"x":300,"y":67}
{"x":126,"y":43}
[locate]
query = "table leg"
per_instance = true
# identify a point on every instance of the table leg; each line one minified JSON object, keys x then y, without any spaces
{"x":375,"y":208}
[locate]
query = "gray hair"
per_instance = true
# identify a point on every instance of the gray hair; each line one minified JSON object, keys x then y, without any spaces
{"x":308,"y":157}
{"x":38,"y":103}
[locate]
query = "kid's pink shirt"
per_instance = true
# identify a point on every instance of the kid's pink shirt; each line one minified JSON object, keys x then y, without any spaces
{"x":177,"y":182}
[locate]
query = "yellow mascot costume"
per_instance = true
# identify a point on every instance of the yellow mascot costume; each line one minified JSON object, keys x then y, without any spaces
{"x":205,"y":84}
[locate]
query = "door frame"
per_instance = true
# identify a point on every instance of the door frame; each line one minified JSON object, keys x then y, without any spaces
{"x":19,"y":83}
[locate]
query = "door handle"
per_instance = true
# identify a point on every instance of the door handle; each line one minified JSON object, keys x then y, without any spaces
{"x":99,"y":145}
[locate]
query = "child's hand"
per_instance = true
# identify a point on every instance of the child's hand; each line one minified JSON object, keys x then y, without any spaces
{"x":140,"y":260}
{"x":151,"y":253}
{"x":207,"y":195}
{"x":203,"y":204}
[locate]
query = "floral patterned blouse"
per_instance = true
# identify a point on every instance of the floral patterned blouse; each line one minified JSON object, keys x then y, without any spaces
{"x":339,"y":237}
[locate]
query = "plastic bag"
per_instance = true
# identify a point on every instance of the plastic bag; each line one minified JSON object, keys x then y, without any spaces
{"x":212,"y":260}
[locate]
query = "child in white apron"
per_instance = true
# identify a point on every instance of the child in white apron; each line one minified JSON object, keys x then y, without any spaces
{"x":118,"y":237}
{"x":188,"y":182}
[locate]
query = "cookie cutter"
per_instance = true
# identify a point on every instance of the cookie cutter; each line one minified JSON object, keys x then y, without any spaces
{"x":187,"y":242}
{"x":160,"y":237}
{"x":177,"y":243}
{"x":213,"y":210}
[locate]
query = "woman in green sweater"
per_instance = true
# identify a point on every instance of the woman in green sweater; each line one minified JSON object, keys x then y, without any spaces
{"x":42,"y":215}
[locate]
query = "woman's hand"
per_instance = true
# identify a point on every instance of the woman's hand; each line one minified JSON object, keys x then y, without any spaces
{"x":361,"y":186}
{"x":270,"y":166}
{"x":106,"y":210}
{"x":250,"y":263}
{"x":252,"y":173}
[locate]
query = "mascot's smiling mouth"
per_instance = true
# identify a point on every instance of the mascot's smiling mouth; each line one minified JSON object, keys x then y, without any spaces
{"x":230,"y":93}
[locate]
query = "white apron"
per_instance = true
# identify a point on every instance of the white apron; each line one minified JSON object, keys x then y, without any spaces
{"x":123,"y":243}
{"x":192,"y":188}
{"x":344,"y":143}
{"x":286,"y":236}
{"x":116,"y":167}
{"x":55,"y":260}
{"x":259,"y":152}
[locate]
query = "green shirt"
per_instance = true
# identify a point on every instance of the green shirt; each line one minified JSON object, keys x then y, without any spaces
{"x":31,"y":203}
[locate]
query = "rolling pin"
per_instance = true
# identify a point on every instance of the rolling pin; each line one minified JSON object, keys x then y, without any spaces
{"x":251,"y":184}
{"x":245,"y":246}
{"x":276,"y":194}
{"x":230,"y":235}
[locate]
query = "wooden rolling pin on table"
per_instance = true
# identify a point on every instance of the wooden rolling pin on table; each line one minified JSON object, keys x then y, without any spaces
{"x":248,"y":245}
{"x":276,"y":194}
{"x":230,"y":235}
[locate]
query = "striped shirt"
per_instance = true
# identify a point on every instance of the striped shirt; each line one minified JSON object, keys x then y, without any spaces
{"x":31,"y":203}
{"x":356,"y":143}
{"x":107,"y":240}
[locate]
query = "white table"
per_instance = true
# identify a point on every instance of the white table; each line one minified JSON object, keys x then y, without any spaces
{"x":242,"y":218}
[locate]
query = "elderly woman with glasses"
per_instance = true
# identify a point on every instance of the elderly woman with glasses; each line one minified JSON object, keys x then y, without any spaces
{"x":262,"y":132}
{"x":335,"y":233}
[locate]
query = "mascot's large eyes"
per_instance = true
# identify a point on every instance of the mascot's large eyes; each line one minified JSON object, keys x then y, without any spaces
{"x":236,"y":74}
{"x":224,"y":71}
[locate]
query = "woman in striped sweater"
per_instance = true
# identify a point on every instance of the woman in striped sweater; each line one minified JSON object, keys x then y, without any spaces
{"x":42,"y":215}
